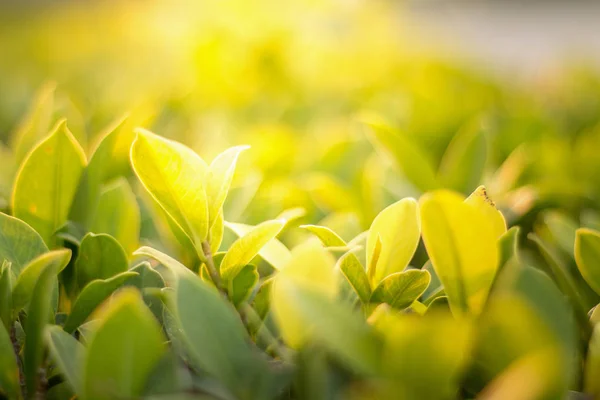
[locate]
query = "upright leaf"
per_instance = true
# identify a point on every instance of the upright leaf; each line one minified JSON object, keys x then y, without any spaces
{"x":47,"y":181}
{"x":218,"y":179}
{"x":39,"y":314}
{"x":19,"y":243}
{"x":461,"y":242}
{"x":587,"y":256}
{"x":398,"y":227}
{"x":123,"y":351}
{"x":23,"y":291}
{"x":592,"y":367}
{"x":174,"y":175}
{"x":243,"y":250}
{"x":68,"y":355}
{"x":9,"y":370}
{"x":480,"y":199}
{"x":118,"y":215}
{"x":355,"y":274}
{"x":6,"y":313}
{"x":100,"y":257}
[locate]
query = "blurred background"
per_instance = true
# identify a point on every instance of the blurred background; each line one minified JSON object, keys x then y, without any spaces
{"x":496,"y":92}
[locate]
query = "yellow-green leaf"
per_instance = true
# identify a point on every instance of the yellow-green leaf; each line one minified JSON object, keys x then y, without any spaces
{"x":355,"y":274}
{"x":68,"y":354}
{"x":587,"y":256}
{"x":19,"y":243}
{"x":118,"y":215}
{"x":398,"y":227}
{"x":592,"y":367}
{"x":47,"y":181}
{"x":327,"y":236}
{"x":9,"y":371}
{"x":243,"y":250}
{"x":461,"y":241}
{"x":218,"y":179}
{"x":100,"y":257}
{"x":124,"y":349}
{"x":479,"y":198}
{"x":401,"y":289}
{"x":274,"y":252}
{"x":174,"y":176}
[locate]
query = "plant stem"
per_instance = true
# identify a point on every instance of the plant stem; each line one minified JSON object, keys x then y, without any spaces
{"x":210,"y":265}
{"x":252,"y":320}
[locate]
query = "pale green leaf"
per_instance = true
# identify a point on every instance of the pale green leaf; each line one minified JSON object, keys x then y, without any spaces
{"x":47,"y":181}
{"x":100,"y":257}
{"x":24,"y":286}
{"x":240,"y":287}
{"x":587,"y":256}
{"x":68,"y":355}
{"x":174,"y":175}
{"x":274,"y":252}
{"x":401,"y":289}
{"x":355,"y":274}
{"x":398,"y":227}
{"x":92,"y":295}
{"x":122,"y":352}
{"x":218,"y":179}
{"x":19,"y":243}
{"x":9,"y":370}
{"x":462,"y":244}
{"x":244,"y":249}
{"x":327,"y":236}
{"x":118,"y":215}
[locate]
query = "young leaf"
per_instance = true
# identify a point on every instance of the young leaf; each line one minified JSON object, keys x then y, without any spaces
{"x":218,"y":179}
{"x":399,"y":228}
{"x":401,"y":289}
{"x":9,"y":370}
{"x":24,"y":287}
{"x":216,"y":233}
{"x":480,"y":199}
{"x":46,"y":182}
{"x":174,"y":175}
{"x":92,"y":295}
{"x":243,"y":250}
{"x":5,"y":295}
{"x":19,"y":243}
{"x":587,"y":256}
{"x":40,"y":313}
{"x":328,"y":237}
{"x":124,"y":350}
{"x":355,"y":274}
{"x":242,"y":285}
{"x":274,"y":252}
{"x":118,"y":215}
{"x":461,"y":242}
{"x":100,"y":257}
{"x":68,"y":355}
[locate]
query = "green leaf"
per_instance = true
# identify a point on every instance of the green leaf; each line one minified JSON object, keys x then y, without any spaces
{"x":40,"y":312}
{"x":216,"y":233}
{"x":118,"y":215}
{"x":92,"y":295}
{"x":462,"y":165}
{"x":19,"y":243}
{"x":218,"y":179}
{"x":6,"y":295}
{"x":401,"y":289}
{"x":480,"y":199}
{"x":36,"y":124}
{"x":328,"y":237}
{"x":243,"y":250}
{"x":109,"y":160}
{"x":406,"y":155}
{"x":173,"y":175}
{"x":125,"y":348}
{"x":587,"y":256}
{"x":214,"y":335}
{"x":509,"y":245}
{"x":274,"y":252}
{"x":47,"y":181}
{"x":399,"y":228}
{"x":461,"y":241}
{"x":148,"y":278}
{"x":27,"y":280}
{"x":592,"y":365}
{"x":100,"y":257}
{"x":355,"y":274}
{"x":304,"y":314}
{"x":68,"y":355}
{"x":243,"y":284}
{"x":9,"y":370}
